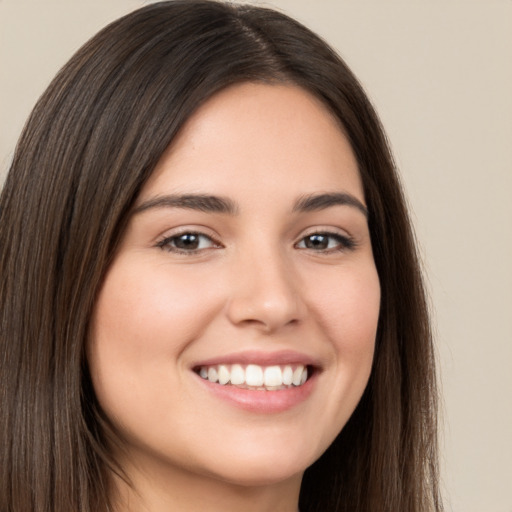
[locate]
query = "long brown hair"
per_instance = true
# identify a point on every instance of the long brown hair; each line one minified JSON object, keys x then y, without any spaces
{"x":90,"y":144}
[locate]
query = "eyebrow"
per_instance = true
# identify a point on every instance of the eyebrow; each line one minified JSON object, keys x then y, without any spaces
{"x":315,"y":202}
{"x":216,"y":204}
{"x":200,"y":202}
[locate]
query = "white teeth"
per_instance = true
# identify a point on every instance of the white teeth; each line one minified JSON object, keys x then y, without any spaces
{"x":224,"y":374}
{"x":237,"y":375}
{"x":297,"y":375}
{"x":254,"y":375}
{"x":272,"y":376}
{"x":268,"y":378}
{"x":287,"y":375}
{"x":212,"y":374}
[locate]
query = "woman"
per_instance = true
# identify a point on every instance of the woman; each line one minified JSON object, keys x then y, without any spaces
{"x":210,"y":293}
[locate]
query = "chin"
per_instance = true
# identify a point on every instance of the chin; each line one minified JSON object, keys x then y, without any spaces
{"x":264,"y":465}
{"x":260,"y":473}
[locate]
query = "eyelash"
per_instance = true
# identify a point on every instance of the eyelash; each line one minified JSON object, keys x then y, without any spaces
{"x":343,"y":243}
{"x":166,"y":243}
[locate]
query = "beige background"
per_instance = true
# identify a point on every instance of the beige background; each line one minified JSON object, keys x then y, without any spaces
{"x":440,"y":74}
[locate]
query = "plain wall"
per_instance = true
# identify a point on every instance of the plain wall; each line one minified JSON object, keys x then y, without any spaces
{"x":440,"y":74}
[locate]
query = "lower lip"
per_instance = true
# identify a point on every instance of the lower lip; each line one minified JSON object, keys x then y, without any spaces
{"x":261,"y":401}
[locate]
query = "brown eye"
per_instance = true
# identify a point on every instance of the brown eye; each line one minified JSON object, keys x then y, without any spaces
{"x":318,"y":242}
{"x":325,"y":242}
{"x":188,"y":242}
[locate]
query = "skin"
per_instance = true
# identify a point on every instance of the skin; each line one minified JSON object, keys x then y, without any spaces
{"x":255,"y":282}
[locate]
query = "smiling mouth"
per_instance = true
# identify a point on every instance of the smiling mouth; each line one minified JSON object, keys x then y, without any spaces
{"x":256,"y":377}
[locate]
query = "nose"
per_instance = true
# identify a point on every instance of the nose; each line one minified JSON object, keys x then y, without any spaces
{"x":265,"y":292}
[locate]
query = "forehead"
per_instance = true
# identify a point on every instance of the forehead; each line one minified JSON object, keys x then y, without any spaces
{"x":258,"y":137}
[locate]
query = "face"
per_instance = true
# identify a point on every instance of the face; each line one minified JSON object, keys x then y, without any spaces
{"x":234,"y":333}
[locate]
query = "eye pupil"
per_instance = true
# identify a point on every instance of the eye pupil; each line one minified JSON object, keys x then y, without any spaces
{"x":317,"y":241}
{"x":187,"y":241}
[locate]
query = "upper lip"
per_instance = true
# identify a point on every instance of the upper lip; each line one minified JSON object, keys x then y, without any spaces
{"x":277,"y":358}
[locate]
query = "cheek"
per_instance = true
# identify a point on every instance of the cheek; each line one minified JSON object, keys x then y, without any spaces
{"x":149,"y":312}
{"x":348,"y":315}
{"x":144,"y":319}
{"x":349,"y":311}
